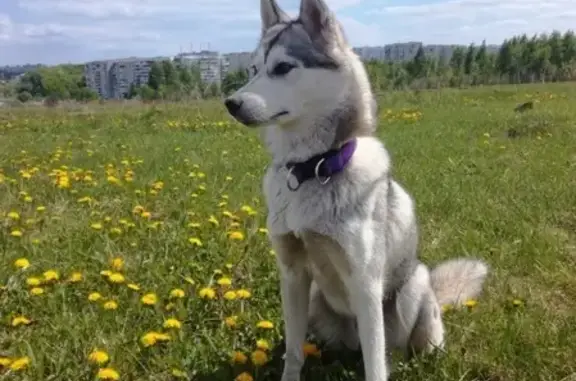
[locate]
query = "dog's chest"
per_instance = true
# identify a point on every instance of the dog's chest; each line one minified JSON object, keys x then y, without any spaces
{"x":330,"y":268}
{"x":292,"y":212}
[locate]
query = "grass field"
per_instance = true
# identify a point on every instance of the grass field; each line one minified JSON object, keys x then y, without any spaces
{"x":139,"y":233}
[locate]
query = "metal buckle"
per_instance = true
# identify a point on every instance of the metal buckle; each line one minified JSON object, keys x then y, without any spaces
{"x":288,"y":184}
{"x":324,"y":180}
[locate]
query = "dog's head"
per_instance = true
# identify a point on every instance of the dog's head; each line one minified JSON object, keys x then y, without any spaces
{"x":299,"y":68}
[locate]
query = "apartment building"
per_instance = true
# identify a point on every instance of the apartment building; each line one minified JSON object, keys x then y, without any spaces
{"x":213,"y":66}
{"x":96,"y":74}
{"x":113,"y":78}
{"x":238,"y":61}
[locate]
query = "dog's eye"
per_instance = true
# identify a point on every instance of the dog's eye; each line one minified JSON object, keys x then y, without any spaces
{"x":282,"y":68}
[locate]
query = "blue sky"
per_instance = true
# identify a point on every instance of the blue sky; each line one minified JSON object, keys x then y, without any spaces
{"x":59,"y":31}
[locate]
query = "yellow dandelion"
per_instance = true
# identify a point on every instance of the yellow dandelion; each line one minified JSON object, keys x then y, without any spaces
{"x":94,"y":296}
{"x":178,"y":373}
{"x":517,"y":303}
{"x":110,"y":305}
{"x":195,"y":241}
{"x":149,"y":299}
{"x":16,"y":233}
{"x":262,"y":344}
{"x":238,"y":357}
{"x":20,"y":363}
{"x":116,"y":278}
{"x":4,"y":362}
{"x":138,"y":209}
{"x":172,"y":323}
{"x":33,"y":281}
{"x":236,"y":236}
{"x":311,"y":349}
{"x":265,"y":324}
{"x":22,"y":263}
{"x":113,"y":180}
{"x":36,"y":291}
{"x":243,"y":294}
{"x":133,"y":286}
{"x":146,"y":215}
{"x":98,"y":356}
{"x":41,"y":209}
{"x":230,"y":295}
{"x":177,"y":293}
{"x":115,"y":230}
{"x":51,"y":275}
{"x":117,"y":264}
{"x":20,"y":320}
{"x":152,"y":338}
{"x":213,"y":221}
{"x":224,"y":282}
{"x":248,"y":209}
{"x":148,"y":339}
{"x":75,"y":277}
{"x":244,"y":376}
{"x":108,"y":374}
{"x":96,"y":226}
{"x":169,"y":306}
{"x":259,"y":357}
{"x":207,"y":293}
{"x":471,"y":303}
{"x":231,"y":321}
{"x":13,"y":216}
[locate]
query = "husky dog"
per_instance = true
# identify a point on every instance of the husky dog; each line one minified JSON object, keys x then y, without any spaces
{"x":344,"y":231}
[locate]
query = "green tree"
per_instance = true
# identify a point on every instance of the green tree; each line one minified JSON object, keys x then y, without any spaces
{"x":233,"y":80}
{"x":156,"y":76}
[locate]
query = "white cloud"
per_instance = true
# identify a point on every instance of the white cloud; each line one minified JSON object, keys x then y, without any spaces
{"x":107,"y":9}
{"x":473,"y":20}
{"x":5,"y":27}
{"x":100,"y":28}
{"x":359,"y":33}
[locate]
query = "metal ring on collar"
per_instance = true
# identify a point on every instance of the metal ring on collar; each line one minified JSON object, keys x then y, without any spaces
{"x":288,"y":177}
{"x":324,"y":180}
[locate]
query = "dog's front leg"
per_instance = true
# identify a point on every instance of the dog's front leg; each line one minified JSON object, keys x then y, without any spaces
{"x":365,"y":285}
{"x":366,"y":300}
{"x":295,"y":293}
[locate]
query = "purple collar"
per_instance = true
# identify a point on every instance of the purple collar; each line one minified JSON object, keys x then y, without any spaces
{"x":321,"y":166}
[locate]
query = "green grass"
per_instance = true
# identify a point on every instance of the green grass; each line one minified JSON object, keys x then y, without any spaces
{"x":508,"y":200}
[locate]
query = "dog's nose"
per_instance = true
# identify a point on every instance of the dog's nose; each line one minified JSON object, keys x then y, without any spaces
{"x":232,"y":105}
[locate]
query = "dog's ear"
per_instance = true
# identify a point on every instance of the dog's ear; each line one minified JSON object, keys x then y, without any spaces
{"x":271,"y":14}
{"x":318,"y":20}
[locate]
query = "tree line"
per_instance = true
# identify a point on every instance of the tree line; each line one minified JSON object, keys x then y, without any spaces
{"x":521,"y":59}
{"x":54,"y":83}
{"x":171,"y":80}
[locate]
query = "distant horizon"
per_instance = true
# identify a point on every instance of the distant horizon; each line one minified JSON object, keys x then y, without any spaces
{"x":2,"y":65}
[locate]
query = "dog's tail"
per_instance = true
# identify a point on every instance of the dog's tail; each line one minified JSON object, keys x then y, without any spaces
{"x":458,"y":280}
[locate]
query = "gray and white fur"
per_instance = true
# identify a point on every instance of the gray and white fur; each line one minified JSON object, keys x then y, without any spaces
{"x":346,"y":250}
